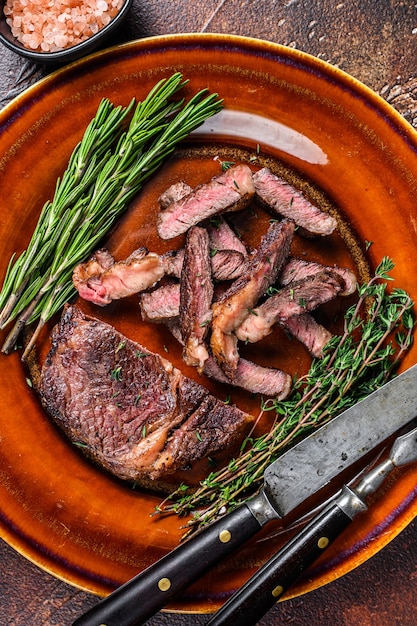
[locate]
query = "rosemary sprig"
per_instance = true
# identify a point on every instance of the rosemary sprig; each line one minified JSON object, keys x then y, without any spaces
{"x":106,"y":170}
{"x":378,"y":330}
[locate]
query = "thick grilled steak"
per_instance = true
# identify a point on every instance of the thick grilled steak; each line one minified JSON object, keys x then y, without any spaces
{"x":196,"y":296}
{"x":242,"y":296}
{"x":133,"y":412}
{"x":230,"y":191}
{"x":279,"y":197}
{"x":296,"y":299}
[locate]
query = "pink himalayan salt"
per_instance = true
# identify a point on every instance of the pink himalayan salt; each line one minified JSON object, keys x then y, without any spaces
{"x":52,"y":25}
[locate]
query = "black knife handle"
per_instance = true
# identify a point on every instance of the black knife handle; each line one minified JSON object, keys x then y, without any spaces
{"x":143,"y":596}
{"x":264,"y":589}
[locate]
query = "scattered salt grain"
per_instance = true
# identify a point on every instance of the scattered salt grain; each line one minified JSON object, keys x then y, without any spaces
{"x":47,"y":26}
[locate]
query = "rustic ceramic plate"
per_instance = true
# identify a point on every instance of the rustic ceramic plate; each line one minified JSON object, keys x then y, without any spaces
{"x":331,"y":135}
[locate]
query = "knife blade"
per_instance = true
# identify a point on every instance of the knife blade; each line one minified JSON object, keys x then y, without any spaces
{"x":295,"y":476}
{"x":254,"y":599}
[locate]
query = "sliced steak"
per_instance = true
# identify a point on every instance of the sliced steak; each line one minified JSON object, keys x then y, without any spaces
{"x":279,"y":197}
{"x":230,"y":191}
{"x":172,"y":262}
{"x":141,"y":270}
{"x":225,"y":264}
{"x":242,"y":296}
{"x":223,"y":237}
{"x":174,"y":193}
{"x":309,"y":332}
{"x":298,"y":269}
{"x":161,"y":304}
{"x":252,"y":377}
{"x":296,"y":299}
{"x":196,"y":296}
{"x":128,"y":407}
{"x":97,"y":264}
{"x":101,"y":280}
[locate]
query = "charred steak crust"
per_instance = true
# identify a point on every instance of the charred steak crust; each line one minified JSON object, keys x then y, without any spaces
{"x":128,"y":407}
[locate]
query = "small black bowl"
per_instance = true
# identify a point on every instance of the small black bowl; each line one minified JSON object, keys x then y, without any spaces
{"x":68,"y":54}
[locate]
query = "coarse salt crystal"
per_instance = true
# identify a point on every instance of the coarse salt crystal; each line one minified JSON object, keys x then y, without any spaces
{"x":46,"y":25}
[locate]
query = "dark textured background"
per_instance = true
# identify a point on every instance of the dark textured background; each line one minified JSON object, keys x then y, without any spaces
{"x":376,"y":42}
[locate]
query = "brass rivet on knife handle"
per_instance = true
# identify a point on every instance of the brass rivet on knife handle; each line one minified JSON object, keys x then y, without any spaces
{"x":277,"y":591}
{"x":148,"y":592}
{"x":225,"y":536}
{"x":164,"y":584}
{"x":323,"y":542}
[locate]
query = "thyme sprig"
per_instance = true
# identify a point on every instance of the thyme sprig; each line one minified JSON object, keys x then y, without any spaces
{"x":377,"y":332}
{"x":106,"y":170}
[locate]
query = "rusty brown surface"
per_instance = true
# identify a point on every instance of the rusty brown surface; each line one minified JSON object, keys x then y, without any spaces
{"x":376,"y":42}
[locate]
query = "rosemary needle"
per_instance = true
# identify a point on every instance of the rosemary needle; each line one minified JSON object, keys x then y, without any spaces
{"x":106,"y":170}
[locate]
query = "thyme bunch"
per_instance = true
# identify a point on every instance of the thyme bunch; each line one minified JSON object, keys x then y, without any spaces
{"x":377,"y":332}
{"x":105,"y":171}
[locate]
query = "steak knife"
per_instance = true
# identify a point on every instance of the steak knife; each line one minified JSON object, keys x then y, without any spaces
{"x":288,"y":482}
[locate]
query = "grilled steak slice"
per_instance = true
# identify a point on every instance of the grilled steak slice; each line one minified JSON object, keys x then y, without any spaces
{"x":225,"y":264}
{"x":252,"y":377}
{"x":174,"y":193}
{"x":234,"y":306}
{"x":127,"y":406}
{"x":172,"y":262}
{"x":279,"y":197}
{"x":97,"y":264}
{"x":141,"y":270}
{"x":297,"y":269}
{"x":230,"y":191}
{"x":223,"y":237}
{"x":307,"y":330}
{"x":296,"y":299}
{"x":196,"y":295}
{"x":162,"y":304}
{"x":198,"y":436}
{"x":101,"y":280}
